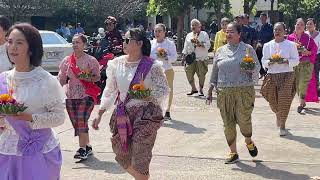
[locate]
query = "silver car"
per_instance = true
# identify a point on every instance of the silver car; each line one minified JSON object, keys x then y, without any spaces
{"x":55,"y":49}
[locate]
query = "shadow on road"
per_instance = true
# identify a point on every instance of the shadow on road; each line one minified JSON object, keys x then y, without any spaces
{"x":94,"y":163}
{"x":268,"y":173}
{"x":308,"y":141}
{"x":182,"y":126}
{"x":313,"y":111}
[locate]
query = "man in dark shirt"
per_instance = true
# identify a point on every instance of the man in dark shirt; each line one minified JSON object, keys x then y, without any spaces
{"x":264,"y":35}
{"x":248,"y":33}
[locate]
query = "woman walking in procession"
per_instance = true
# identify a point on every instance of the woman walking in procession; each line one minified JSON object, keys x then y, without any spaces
{"x":306,"y":84}
{"x":280,"y":56}
{"x":164,"y":50}
{"x":311,"y":27}
{"x":78,"y":72}
{"x":139,"y":86}
{"x":29,"y":148}
{"x":221,"y":36}
{"x":235,"y":89}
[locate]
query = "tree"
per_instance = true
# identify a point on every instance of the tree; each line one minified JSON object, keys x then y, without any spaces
{"x":16,"y":9}
{"x":248,"y":5}
{"x":221,"y":8}
{"x":293,"y":9}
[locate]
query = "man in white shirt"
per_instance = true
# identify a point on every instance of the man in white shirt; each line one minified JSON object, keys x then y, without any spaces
{"x":197,"y":42}
{"x":5,"y":64}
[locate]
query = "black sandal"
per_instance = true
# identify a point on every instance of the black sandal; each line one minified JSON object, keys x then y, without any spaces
{"x":192,"y":92}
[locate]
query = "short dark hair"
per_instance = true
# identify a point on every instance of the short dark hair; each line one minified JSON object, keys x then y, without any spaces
{"x":140,"y":35}
{"x":34,"y":41}
{"x":5,"y":23}
{"x":263,"y":14}
{"x":236,"y":26}
{"x":82,"y":37}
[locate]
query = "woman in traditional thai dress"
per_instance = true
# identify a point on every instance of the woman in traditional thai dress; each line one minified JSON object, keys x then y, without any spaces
{"x":139,"y":87}
{"x":29,"y":148}
{"x":79,"y":72}
{"x":235,"y":89}
{"x":164,"y":50}
{"x":280,"y":56}
{"x":312,"y":32}
{"x":305,"y":77}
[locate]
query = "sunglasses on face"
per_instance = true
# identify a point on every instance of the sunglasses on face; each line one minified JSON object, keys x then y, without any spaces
{"x":127,"y":40}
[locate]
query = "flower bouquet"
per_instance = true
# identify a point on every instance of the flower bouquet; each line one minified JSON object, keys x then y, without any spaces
{"x":85,"y":74}
{"x":276,"y":58}
{"x":162,"y":53}
{"x":195,"y":40}
{"x":138,"y":91}
{"x":300,"y":47}
{"x":247,"y":63}
{"x":9,"y":106}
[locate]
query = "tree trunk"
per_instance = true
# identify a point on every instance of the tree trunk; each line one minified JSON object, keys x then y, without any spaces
{"x":272,"y":15}
{"x":180,"y":27}
{"x":246,"y":9}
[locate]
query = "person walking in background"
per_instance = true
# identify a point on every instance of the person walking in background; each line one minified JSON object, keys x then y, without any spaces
{"x":113,"y":36}
{"x":280,"y":56}
{"x":164,"y":50}
{"x":264,"y":35}
{"x":137,"y":118}
{"x":195,"y":51}
{"x":235,"y":89}
{"x":305,"y":76}
{"x":79,"y":29}
{"x":29,"y":147}
{"x":315,"y":35}
{"x":248,"y":33}
{"x":78,"y":72}
{"x":5,"y":64}
{"x":221,"y":36}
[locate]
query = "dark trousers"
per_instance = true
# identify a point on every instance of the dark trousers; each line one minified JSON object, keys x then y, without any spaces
{"x":259,"y":54}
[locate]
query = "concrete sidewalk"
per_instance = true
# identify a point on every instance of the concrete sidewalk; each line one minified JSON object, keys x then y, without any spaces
{"x":192,"y":146}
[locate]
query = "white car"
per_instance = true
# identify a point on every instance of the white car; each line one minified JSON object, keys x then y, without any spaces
{"x":55,"y":48}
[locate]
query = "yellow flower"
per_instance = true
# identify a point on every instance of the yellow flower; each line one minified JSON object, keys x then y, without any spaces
{"x":276,"y":57}
{"x":5,"y":97}
{"x":248,"y":59}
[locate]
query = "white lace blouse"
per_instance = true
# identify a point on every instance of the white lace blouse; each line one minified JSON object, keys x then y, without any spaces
{"x":120,"y":74}
{"x":43,"y":95}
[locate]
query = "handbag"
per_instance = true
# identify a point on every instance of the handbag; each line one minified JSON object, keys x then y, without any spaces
{"x":190,"y":58}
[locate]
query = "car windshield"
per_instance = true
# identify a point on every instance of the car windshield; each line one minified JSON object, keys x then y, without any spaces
{"x":52,"y":38}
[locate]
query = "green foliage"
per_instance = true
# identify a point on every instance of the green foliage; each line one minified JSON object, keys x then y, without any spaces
{"x":293,"y":9}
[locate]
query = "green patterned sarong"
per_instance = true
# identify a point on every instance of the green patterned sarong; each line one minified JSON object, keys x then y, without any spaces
{"x":303,"y":74}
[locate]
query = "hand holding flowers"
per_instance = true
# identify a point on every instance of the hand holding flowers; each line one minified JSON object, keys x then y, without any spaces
{"x":248,"y":64}
{"x":138,"y":91}
{"x":277,"y":59}
{"x":162,"y":53}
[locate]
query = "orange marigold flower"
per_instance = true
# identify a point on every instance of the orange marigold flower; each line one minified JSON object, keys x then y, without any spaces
{"x":5,"y":97}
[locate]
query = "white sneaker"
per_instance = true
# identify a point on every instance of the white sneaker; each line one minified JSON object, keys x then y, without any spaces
{"x":283,"y":132}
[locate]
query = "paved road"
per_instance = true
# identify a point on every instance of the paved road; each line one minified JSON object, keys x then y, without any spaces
{"x":192,"y":146}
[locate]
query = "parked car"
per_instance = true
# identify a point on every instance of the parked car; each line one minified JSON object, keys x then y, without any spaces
{"x":55,"y":48}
